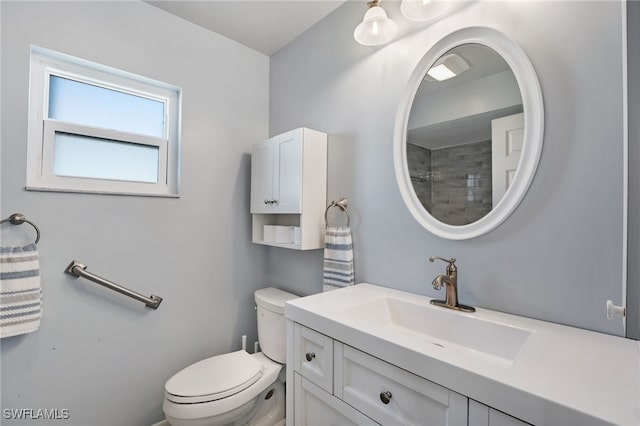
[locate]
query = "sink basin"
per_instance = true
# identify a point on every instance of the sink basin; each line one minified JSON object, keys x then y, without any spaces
{"x":425,"y":324}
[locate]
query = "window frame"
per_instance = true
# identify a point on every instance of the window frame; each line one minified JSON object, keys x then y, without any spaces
{"x":42,"y":129}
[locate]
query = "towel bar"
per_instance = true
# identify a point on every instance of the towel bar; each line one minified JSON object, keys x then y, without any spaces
{"x":77,"y":269}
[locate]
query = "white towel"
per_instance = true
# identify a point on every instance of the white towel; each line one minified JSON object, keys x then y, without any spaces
{"x":338,"y":258}
{"x":20,"y":292}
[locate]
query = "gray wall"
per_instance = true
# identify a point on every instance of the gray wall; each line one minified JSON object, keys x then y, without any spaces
{"x":559,"y":256}
{"x":100,"y":355}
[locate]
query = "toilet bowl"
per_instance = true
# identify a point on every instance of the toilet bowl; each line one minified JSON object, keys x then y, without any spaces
{"x":236,"y":388}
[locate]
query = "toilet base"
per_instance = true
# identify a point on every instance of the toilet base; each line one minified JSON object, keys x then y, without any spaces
{"x":269,"y":409}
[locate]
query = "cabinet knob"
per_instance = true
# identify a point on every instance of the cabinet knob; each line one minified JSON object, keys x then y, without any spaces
{"x":310,"y":356}
{"x":266,"y":201}
{"x":385,"y":397}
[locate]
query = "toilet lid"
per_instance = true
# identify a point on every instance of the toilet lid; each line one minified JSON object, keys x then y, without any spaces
{"x":214,"y":378}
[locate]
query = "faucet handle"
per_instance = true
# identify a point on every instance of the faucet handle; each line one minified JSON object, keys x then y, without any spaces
{"x":451,"y":262}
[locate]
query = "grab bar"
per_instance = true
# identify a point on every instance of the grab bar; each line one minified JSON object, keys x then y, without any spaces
{"x":77,"y":269}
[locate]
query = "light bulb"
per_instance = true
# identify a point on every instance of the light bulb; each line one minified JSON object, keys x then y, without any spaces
{"x":376,"y":28}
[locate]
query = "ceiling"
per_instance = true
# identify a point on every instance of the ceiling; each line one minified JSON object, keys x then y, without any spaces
{"x":263,"y":25}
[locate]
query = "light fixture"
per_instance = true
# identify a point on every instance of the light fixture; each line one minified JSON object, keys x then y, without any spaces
{"x":423,"y":10}
{"x":376,"y":28}
{"x":448,"y":66}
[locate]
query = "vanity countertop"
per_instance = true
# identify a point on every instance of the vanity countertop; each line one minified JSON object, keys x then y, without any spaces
{"x":562,"y":375}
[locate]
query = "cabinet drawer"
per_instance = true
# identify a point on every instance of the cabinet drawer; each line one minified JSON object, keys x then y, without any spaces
{"x":391,"y":395}
{"x":316,"y":407}
{"x":313,"y":356}
{"x":481,"y":415}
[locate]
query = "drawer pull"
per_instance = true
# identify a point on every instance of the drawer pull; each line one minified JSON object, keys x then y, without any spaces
{"x":385,"y":397}
{"x":310,"y":356}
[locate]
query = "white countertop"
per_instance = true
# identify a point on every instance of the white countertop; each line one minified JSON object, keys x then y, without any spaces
{"x":563,"y":375}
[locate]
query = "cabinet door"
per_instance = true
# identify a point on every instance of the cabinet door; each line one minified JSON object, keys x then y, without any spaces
{"x":313,"y":356}
{"x":313,"y":406}
{"x":391,"y":395}
{"x":262,"y":176}
{"x":287,"y":186}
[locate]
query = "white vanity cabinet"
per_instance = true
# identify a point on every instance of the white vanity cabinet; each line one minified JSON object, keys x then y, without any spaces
{"x":288,"y":189}
{"x":398,"y":359}
{"x":336,"y":384}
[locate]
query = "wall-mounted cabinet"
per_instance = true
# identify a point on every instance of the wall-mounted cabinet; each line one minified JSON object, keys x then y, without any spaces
{"x":289,"y":189}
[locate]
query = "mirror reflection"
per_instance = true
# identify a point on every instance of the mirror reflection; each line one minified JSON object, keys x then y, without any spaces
{"x":465,"y":134}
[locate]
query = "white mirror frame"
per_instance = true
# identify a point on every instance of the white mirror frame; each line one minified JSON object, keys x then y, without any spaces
{"x":532,"y":104}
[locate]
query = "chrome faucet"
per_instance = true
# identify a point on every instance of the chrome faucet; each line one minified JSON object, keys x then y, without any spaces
{"x":450,"y":282}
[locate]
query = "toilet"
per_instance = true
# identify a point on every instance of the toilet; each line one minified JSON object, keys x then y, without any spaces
{"x":236,"y":388}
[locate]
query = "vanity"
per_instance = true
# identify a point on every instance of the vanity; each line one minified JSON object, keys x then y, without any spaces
{"x":466,"y":149}
{"x":367,"y":354}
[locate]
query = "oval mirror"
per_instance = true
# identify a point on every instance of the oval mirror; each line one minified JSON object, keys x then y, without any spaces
{"x":468,"y":133}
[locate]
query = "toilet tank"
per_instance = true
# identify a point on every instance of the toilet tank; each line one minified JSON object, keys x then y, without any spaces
{"x":271,"y":324}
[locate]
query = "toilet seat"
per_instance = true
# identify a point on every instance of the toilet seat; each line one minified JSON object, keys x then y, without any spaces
{"x":243,"y":400}
{"x":214,"y":378}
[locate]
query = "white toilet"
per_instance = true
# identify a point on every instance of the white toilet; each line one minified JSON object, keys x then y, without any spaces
{"x":236,"y":388}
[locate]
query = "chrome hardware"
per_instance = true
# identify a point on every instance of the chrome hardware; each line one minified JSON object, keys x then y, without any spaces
{"x":450,"y":281}
{"x":452,"y":272}
{"x":269,"y":202}
{"x":343,"y":205}
{"x":615,"y":310}
{"x":266,"y":201}
{"x":309,"y":356}
{"x":19,"y":219}
{"x":451,"y":262}
{"x":385,"y":397}
{"x":77,"y":269}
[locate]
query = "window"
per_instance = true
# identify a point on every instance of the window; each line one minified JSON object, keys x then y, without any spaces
{"x":97,"y":129}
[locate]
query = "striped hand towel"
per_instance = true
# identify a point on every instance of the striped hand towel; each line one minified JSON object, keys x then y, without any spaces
{"x":20,"y":292}
{"x":338,"y":258}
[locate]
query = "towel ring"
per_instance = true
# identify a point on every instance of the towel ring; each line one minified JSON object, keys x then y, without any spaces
{"x":342,"y":205}
{"x":19,"y":219}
